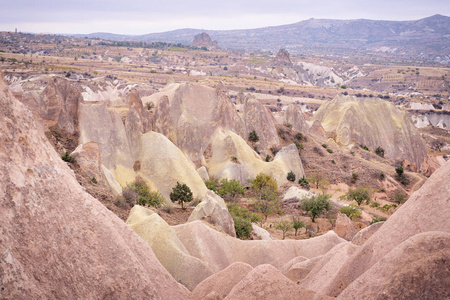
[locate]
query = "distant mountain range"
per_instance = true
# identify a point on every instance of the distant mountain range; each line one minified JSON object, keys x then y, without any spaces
{"x":426,"y":39}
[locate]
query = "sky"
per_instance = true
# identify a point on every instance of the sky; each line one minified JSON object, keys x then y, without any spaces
{"x":141,"y":16}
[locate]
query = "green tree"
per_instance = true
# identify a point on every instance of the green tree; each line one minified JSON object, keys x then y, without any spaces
{"x":360,"y":194}
{"x":242,"y":218}
{"x":253,"y":137}
{"x":297,"y":224}
{"x":291,"y":176}
{"x":316,"y":205}
{"x":284,"y":226}
{"x":230,"y":188}
{"x":181,"y":193}
{"x":263,"y":181}
{"x":352,"y":211}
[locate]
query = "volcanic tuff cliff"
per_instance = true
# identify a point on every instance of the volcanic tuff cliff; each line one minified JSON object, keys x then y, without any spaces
{"x":56,"y":241}
{"x":373,"y":123}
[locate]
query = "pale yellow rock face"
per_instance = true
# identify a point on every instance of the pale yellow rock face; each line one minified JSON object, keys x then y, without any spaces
{"x":169,"y":250}
{"x":373,"y":123}
{"x":121,"y":146}
{"x":233,"y":158}
{"x":163,"y":164}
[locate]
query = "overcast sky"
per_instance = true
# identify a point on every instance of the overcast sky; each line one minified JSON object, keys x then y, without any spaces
{"x":140,"y":16}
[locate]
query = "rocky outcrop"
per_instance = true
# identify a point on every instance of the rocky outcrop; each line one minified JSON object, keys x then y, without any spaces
{"x":373,"y":123}
{"x":204,"y":40}
{"x":363,"y":235}
{"x":233,"y":158}
{"x":56,"y":241}
{"x":219,"y":285}
{"x":296,"y":193}
{"x":282,"y":58}
{"x":59,"y":105}
{"x":266,"y":282}
{"x":418,"y":268}
{"x":257,"y":117}
{"x":214,"y":210}
{"x":424,"y":212}
{"x":188,"y":114}
{"x":135,"y":101}
{"x":87,"y":156}
{"x":344,"y":227}
{"x":259,"y":233}
{"x":169,"y":250}
{"x":294,"y":116}
{"x":126,"y":152}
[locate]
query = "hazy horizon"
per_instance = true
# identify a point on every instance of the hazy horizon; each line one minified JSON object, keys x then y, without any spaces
{"x":141,"y":17}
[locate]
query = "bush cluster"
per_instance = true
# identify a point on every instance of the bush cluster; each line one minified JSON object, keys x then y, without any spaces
{"x":139,"y":190}
{"x":352,"y":211}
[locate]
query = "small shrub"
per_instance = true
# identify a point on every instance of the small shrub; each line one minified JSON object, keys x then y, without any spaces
{"x":274,"y":150}
{"x":325,"y":146}
{"x":94,"y":180}
{"x":212,"y":184}
{"x":144,"y":195}
{"x":382,"y":176}
{"x":67,"y":158}
{"x":352,"y":211}
{"x":268,"y":158}
{"x":387,"y":207}
{"x":299,"y":145}
{"x":377,"y":220}
{"x":329,"y":150}
{"x":150,"y":105}
{"x":365,"y":147}
{"x":399,"y":171}
{"x":354,"y":177}
{"x":243,"y":228}
{"x":291,"y":176}
{"x":288,"y":125}
{"x":280,"y":133}
{"x":379,"y":151}
{"x":399,"y":197}
{"x":333,"y":162}
{"x":303,"y":182}
{"x":299,"y":136}
{"x":253,"y":137}
{"x":374,"y":204}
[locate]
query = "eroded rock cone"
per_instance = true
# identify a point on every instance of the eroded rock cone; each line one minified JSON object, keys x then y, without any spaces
{"x":56,"y":241}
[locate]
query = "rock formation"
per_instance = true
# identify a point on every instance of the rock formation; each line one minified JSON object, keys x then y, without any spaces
{"x":423,"y":214}
{"x":167,"y":247}
{"x":127,"y":153}
{"x":282,"y":58}
{"x":344,"y":227}
{"x":214,"y":209}
{"x":266,"y":282}
{"x":294,"y":116}
{"x":219,"y":285}
{"x":203,"y":40}
{"x":373,"y":123}
{"x":188,"y":114}
{"x":57,"y":241}
{"x":233,"y":158}
{"x":87,"y":157}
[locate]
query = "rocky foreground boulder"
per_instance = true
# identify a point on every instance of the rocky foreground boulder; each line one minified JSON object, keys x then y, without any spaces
{"x":373,"y":123}
{"x":56,"y":241}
